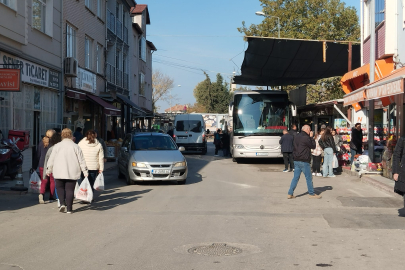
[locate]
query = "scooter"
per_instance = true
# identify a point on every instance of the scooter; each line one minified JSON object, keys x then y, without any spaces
{"x":11,"y":158}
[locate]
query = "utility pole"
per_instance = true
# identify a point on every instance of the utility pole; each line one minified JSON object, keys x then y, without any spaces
{"x":372,"y":74}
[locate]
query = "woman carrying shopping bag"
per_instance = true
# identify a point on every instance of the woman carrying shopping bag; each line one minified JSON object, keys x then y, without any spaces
{"x":93,"y":155}
{"x":56,"y":138}
{"x":66,"y":163}
{"x":329,"y":148}
{"x":398,"y":170}
{"x":47,"y":182}
{"x":317,"y":155}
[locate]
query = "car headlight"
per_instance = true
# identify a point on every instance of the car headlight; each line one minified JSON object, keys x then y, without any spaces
{"x":4,"y":151}
{"x":180,"y":164}
{"x":239,"y":146}
{"x":139,"y":165}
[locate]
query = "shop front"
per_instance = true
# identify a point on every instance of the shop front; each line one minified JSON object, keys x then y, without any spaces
{"x":35,"y":107}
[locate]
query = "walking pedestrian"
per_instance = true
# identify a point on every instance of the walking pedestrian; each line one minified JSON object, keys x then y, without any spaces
{"x":46,"y":183}
{"x":338,"y":144}
{"x":66,"y":163}
{"x":78,"y":135}
{"x":303,"y":143}
{"x":102,"y":142}
{"x":398,"y":170}
{"x":356,"y":141}
{"x":217,"y":141}
{"x":293,"y":130}
{"x":317,"y":155}
{"x":55,"y":139}
{"x":225,"y":143}
{"x":327,"y":144}
{"x":93,"y":155}
{"x":287,"y":147}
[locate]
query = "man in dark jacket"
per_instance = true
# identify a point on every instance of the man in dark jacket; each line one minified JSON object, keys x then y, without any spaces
{"x":287,"y":147}
{"x":293,"y":130}
{"x":356,"y":142}
{"x":303,"y":143}
{"x":78,"y":135}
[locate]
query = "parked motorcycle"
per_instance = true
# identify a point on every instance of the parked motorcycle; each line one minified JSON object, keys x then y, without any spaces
{"x":11,"y":158}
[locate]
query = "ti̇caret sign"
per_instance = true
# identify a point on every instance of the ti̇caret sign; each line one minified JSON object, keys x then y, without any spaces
{"x":10,"y":80}
{"x":30,"y":72}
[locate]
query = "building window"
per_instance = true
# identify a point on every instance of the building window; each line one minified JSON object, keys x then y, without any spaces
{"x":379,"y":12}
{"x":88,"y":4}
{"x":9,"y":3}
{"x":38,"y":14}
{"x":70,"y":41}
{"x":87,"y":52}
{"x":142,"y":49}
{"x":118,"y":59}
{"x":100,"y":8}
{"x":99,"y":54}
{"x":142,"y":84}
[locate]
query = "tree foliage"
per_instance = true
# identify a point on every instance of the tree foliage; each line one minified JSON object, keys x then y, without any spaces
{"x":213,"y":96}
{"x":161,"y":85}
{"x":309,"y":19}
{"x":196,"y":108}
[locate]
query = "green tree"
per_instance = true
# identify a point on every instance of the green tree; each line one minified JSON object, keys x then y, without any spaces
{"x":213,"y":96}
{"x":309,"y":19}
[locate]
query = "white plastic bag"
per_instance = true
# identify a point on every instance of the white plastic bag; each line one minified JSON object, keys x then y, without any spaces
{"x":76,"y":189}
{"x":35,"y":183}
{"x":85,"y":193}
{"x":335,"y":162}
{"x":99,"y":183}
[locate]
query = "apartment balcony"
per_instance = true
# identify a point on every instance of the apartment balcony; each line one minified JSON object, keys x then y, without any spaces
{"x":126,"y":81}
{"x":119,"y":78}
{"x":119,"y":29}
{"x":110,"y":21}
{"x":110,"y":73}
{"x":125,"y":35}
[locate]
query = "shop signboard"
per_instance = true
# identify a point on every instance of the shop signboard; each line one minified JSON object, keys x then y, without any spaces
{"x":352,"y":98}
{"x":86,"y":81}
{"x":385,"y":90}
{"x":360,"y":117}
{"x":31,"y":72}
{"x":10,"y":80}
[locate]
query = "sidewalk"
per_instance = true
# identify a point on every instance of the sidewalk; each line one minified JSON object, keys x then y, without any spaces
{"x":377,"y":181}
{"x":7,"y":183}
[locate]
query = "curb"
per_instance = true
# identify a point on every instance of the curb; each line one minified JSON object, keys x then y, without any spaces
{"x":372,"y":182}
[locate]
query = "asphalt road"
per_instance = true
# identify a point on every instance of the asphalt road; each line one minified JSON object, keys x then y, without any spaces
{"x":240,"y":208}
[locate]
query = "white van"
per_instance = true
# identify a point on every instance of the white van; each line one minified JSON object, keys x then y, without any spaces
{"x":189,"y":132}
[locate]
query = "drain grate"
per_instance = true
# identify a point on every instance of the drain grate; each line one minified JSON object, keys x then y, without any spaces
{"x":215,"y":249}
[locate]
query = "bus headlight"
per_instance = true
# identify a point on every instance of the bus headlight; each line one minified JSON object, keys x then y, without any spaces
{"x":239,"y":146}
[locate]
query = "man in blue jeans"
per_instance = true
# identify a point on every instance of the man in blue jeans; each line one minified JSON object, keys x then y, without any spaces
{"x":303,"y":143}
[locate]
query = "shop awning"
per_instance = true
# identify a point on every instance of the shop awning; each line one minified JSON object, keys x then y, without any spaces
{"x":149,"y":113}
{"x":359,"y":77}
{"x":131,"y":104}
{"x":108,"y":108}
{"x":75,"y":94}
{"x":275,"y":62}
{"x":354,"y":97}
{"x":390,"y":85}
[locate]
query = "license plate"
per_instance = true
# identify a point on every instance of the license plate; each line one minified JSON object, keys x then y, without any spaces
{"x":262,"y":154}
{"x":160,"y":171}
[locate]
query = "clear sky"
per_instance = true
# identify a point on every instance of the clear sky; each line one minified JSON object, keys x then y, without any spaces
{"x":191,"y":36}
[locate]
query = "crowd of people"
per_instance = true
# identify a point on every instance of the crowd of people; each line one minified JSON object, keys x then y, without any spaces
{"x":64,"y":159}
{"x":222,"y":142}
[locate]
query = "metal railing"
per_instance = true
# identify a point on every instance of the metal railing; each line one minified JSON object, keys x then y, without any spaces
{"x":110,"y":21}
{"x":125,"y":35}
{"x":110,"y":73}
{"x":119,"y":29}
{"x":119,"y":78}
{"x":126,"y":81}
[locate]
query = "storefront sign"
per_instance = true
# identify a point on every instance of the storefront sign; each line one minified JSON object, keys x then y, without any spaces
{"x":10,"y":80}
{"x":350,"y":99}
{"x":86,"y":81}
{"x":31,"y":72}
{"x":385,"y":90}
{"x":318,"y":112}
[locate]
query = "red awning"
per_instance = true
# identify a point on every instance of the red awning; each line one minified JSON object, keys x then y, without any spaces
{"x":75,"y":94}
{"x":108,"y":108}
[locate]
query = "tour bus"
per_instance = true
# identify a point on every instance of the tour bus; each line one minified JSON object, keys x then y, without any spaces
{"x":258,"y":120}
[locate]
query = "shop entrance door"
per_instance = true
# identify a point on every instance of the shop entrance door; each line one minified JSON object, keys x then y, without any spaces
{"x":36,"y":136}
{"x":324,"y":120}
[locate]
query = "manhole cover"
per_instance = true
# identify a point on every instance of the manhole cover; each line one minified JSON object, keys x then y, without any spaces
{"x":215,"y":249}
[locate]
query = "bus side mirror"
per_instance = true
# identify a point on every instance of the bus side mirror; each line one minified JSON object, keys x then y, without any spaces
{"x":293,"y":110}
{"x":230,"y":109}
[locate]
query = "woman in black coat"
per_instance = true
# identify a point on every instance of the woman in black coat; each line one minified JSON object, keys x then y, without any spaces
{"x":398,"y":169}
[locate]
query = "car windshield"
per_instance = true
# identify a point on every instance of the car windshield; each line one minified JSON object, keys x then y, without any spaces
{"x":260,"y":114}
{"x":152,"y":143}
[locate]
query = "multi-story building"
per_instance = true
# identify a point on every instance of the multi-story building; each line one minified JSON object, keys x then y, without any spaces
{"x":84,"y":36}
{"x":142,"y":64}
{"x":30,"y":39}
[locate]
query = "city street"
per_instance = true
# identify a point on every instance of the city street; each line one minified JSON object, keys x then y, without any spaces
{"x":156,"y":226}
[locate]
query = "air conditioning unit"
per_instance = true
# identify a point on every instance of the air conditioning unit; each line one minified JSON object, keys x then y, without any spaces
{"x":70,"y":67}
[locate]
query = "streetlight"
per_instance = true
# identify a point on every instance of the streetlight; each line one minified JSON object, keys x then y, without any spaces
{"x":259,"y":13}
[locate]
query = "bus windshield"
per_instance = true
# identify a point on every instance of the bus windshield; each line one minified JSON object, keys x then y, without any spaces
{"x":260,"y":114}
